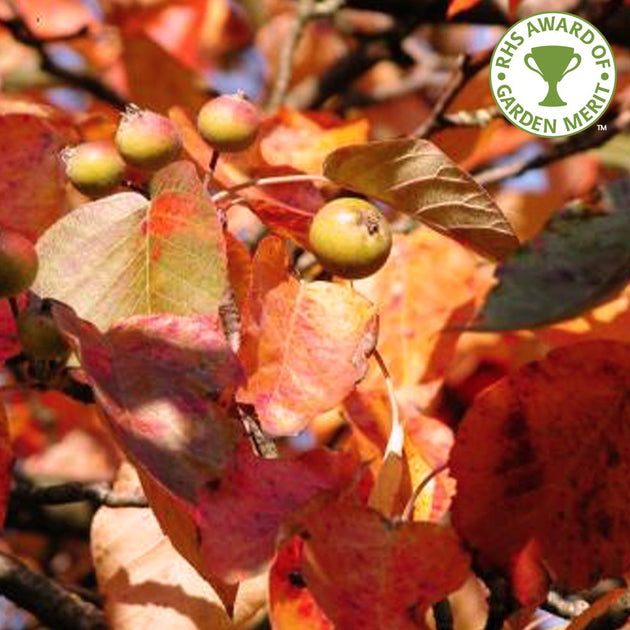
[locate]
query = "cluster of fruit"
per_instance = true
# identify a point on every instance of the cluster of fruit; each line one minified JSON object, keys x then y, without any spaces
{"x":348,"y":236}
{"x":149,"y":141}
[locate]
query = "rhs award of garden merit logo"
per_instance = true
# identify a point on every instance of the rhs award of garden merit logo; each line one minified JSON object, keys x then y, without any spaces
{"x":553,"y":74}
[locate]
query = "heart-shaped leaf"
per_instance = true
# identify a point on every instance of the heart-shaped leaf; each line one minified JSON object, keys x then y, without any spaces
{"x":416,"y":178}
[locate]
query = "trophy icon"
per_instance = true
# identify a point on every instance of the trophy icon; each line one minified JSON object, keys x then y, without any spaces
{"x":553,"y":65}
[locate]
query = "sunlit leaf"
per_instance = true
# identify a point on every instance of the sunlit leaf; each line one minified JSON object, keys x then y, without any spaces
{"x":547,"y":450}
{"x":123,"y":255}
{"x":416,"y":178}
{"x":314,"y":340}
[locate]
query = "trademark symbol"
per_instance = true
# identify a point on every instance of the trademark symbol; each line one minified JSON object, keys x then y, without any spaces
{"x":602,"y":127}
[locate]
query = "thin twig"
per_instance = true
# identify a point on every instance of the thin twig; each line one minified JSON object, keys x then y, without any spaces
{"x":468,"y":66}
{"x":47,"y":600}
{"x":443,"y":615}
{"x":267,"y":181}
{"x":307,"y":10}
{"x":593,"y":137}
{"x":74,"y":492}
{"x":615,"y":616}
{"x":22,"y":33}
{"x":264,"y":445}
{"x":407,"y":513}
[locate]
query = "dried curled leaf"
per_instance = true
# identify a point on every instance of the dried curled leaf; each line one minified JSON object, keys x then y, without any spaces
{"x":417,"y":178}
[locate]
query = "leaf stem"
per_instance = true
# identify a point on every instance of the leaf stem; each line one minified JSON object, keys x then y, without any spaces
{"x":267,"y":181}
{"x":209,"y":176}
{"x":396,"y":435}
{"x":407,"y":513}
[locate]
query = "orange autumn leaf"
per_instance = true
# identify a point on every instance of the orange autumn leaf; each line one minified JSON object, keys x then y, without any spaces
{"x":53,"y":19}
{"x":546,"y":451}
{"x":291,"y":604}
{"x":298,"y":140}
{"x":314,"y":340}
{"x":367,"y":572}
{"x":426,"y":285}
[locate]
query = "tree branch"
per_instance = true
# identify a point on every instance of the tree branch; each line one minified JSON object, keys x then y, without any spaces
{"x":615,"y":122}
{"x":74,"y":491}
{"x":614,"y":617}
{"x":22,"y":33}
{"x":467,"y":68}
{"x":53,"y":605}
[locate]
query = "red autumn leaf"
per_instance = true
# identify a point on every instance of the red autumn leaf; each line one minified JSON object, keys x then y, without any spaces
{"x":164,"y":384}
{"x":136,"y":572}
{"x":32,"y":187}
{"x":314,"y":340}
{"x":371,"y":573}
{"x":546,"y":451}
{"x":239,"y":516}
{"x":291,"y":604}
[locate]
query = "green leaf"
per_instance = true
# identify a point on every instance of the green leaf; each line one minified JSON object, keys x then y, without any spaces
{"x":123,"y":255}
{"x":581,"y":259}
{"x":415,"y":177}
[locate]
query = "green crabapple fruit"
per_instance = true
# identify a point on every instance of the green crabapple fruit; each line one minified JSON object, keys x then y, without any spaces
{"x":18,"y":263}
{"x":95,"y":168}
{"x":350,"y":237}
{"x":39,"y":336}
{"x":146,"y":139}
{"x":229,"y":123}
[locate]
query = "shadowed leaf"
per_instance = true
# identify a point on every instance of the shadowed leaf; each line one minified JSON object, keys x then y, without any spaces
{"x":547,"y":450}
{"x":581,"y":259}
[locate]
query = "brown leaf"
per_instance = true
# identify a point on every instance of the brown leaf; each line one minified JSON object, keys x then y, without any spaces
{"x":547,"y":451}
{"x":416,"y":178}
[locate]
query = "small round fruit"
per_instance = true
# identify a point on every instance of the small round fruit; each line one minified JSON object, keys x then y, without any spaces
{"x":147,"y":140}
{"x":95,"y":168}
{"x":350,"y":237}
{"x":39,"y":336}
{"x":18,"y":263}
{"x":229,"y":123}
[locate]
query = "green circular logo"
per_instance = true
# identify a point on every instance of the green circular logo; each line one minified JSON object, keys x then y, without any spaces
{"x":553,"y":74}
